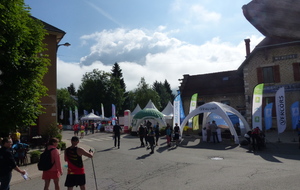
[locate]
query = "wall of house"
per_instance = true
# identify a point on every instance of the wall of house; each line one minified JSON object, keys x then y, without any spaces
{"x":49,"y":117}
{"x":263,"y":58}
{"x":237,"y":101}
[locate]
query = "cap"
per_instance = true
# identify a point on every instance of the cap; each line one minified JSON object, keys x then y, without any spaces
{"x":75,"y":139}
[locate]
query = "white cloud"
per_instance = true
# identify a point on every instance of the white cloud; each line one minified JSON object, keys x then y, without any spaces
{"x":154,"y":56}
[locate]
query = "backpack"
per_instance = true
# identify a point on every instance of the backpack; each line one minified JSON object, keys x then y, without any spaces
{"x":45,"y":163}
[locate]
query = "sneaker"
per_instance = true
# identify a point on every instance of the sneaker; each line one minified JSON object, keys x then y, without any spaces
{"x":151,"y":152}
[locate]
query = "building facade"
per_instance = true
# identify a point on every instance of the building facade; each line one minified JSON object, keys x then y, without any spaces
{"x":49,"y":102}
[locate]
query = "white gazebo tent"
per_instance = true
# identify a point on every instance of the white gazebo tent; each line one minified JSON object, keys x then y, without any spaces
{"x":136,"y":109}
{"x":92,"y":116}
{"x":221,"y":110}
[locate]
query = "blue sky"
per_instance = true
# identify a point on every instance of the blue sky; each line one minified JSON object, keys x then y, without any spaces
{"x":157,"y":39}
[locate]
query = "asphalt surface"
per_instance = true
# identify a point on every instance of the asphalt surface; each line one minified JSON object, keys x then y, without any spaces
{"x":192,"y":165}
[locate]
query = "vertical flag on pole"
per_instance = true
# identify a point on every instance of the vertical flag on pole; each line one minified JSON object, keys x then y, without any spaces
{"x":176,"y":107}
{"x":62,"y":114}
{"x":113,"y":111}
{"x":102,"y":110}
{"x":280,"y":110}
{"x":257,"y":106}
{"x":193,"y":105}
{"x":76,"y":114}
{"x":71,"y":117}
{"x":295,"y":114}
{"x":268,"y":116}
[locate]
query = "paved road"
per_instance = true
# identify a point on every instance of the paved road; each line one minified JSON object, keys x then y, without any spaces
{"x":192,"y":165}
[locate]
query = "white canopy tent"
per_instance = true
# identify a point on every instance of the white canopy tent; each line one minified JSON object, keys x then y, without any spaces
{"x":92,"y":116}
{"x":136,"y":109}
{"x":221,"y":110}
{"x":168,"y":111}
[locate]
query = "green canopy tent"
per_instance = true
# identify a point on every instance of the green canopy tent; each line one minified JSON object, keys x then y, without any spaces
{"x":147,"y":114}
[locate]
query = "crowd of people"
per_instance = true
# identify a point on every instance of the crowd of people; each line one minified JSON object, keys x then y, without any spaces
{"x":149,"y":135}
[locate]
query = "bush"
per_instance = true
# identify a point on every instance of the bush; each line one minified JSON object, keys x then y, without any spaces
{"x":62,"y":145}
{"x":59,"y":137}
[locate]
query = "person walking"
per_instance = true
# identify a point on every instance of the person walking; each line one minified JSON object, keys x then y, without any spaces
{"x":213,"y":127}
{"x":177,"y":133}
{"x":151,"y":139}
{"x":208,"y":132}
{"x":73,"y":156}
{"x":168,"y":134}
{"x":142,"y":134}
{"x":56,"y":171}
{"x":156,"y":134}
{"x":7,"y":164}
{"x":117,"y":132}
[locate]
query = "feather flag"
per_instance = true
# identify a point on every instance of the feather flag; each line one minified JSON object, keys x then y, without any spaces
{"x":113,"y":111}
{"x":295,"y":114}
{"x":71,"y":117}
{"x":193,"y":105}
{"x":102,"y":110}
{"x":280,"y":109}
{"x":257,"y":106}
{"x":268,"y":116}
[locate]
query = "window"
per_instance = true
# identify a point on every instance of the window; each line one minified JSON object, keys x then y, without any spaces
{"x":268,"y":74}
{"x":296,"y":70}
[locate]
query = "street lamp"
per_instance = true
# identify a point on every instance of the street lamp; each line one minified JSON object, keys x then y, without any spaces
{"x":67,"y":44}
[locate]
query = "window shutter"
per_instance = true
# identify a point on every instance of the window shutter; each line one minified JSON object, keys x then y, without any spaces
{"x":296,"y":71}
{"x":276,"y":74}
{"x":259,"y":75}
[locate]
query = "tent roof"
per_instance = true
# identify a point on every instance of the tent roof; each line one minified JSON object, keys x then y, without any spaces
{"x":91,"y":116}
{"x":136,"y":109}
{"x":148,"y":112}
{"x":150,"y":105}
{"x":169,"y":110}
{"x":221,"y":110}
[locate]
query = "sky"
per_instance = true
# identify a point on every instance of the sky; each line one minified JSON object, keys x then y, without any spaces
{"x":158,"y":39}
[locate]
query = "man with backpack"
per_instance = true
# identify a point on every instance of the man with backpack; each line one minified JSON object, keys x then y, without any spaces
{"x":73,"y":156}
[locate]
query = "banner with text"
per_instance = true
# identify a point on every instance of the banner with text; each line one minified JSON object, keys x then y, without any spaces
{"x":280,"y":110}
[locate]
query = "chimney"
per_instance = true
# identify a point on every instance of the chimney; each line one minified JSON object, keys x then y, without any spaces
{"x":247,"y":44}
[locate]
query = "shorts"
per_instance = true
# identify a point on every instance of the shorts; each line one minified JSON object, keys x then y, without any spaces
{"x":75,"y":180}
{"x":50,"y":175}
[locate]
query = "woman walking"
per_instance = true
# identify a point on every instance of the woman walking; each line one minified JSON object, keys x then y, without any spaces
{"x":56,"y":171}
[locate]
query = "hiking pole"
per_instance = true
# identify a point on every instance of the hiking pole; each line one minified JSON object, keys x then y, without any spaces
{"x":94,"y":171}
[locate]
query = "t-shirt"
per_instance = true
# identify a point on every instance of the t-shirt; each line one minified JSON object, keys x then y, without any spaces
{"x":117,"y":129}
{"x":7,"y":161}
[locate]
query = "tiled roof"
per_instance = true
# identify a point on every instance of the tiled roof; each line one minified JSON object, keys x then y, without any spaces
{"x":49,"y":27}
{"x":228,"y":82}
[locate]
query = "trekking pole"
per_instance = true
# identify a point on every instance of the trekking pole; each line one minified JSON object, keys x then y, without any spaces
{"x":94,"y":171}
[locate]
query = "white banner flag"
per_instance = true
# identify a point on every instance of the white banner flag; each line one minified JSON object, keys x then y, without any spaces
{"x":280,"y":110}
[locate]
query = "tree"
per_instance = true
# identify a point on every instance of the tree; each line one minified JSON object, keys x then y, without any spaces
{"x":94,"y":90}
{"x":117,"y":88}
{"x":64,"y":103}
{"x":22,"y":66}
{"x":72,"y":89}
{"x":164,"y":92}
{"x":144,"y":93}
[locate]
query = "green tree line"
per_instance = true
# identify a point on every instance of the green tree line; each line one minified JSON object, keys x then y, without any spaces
{"x":98,"y":87}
